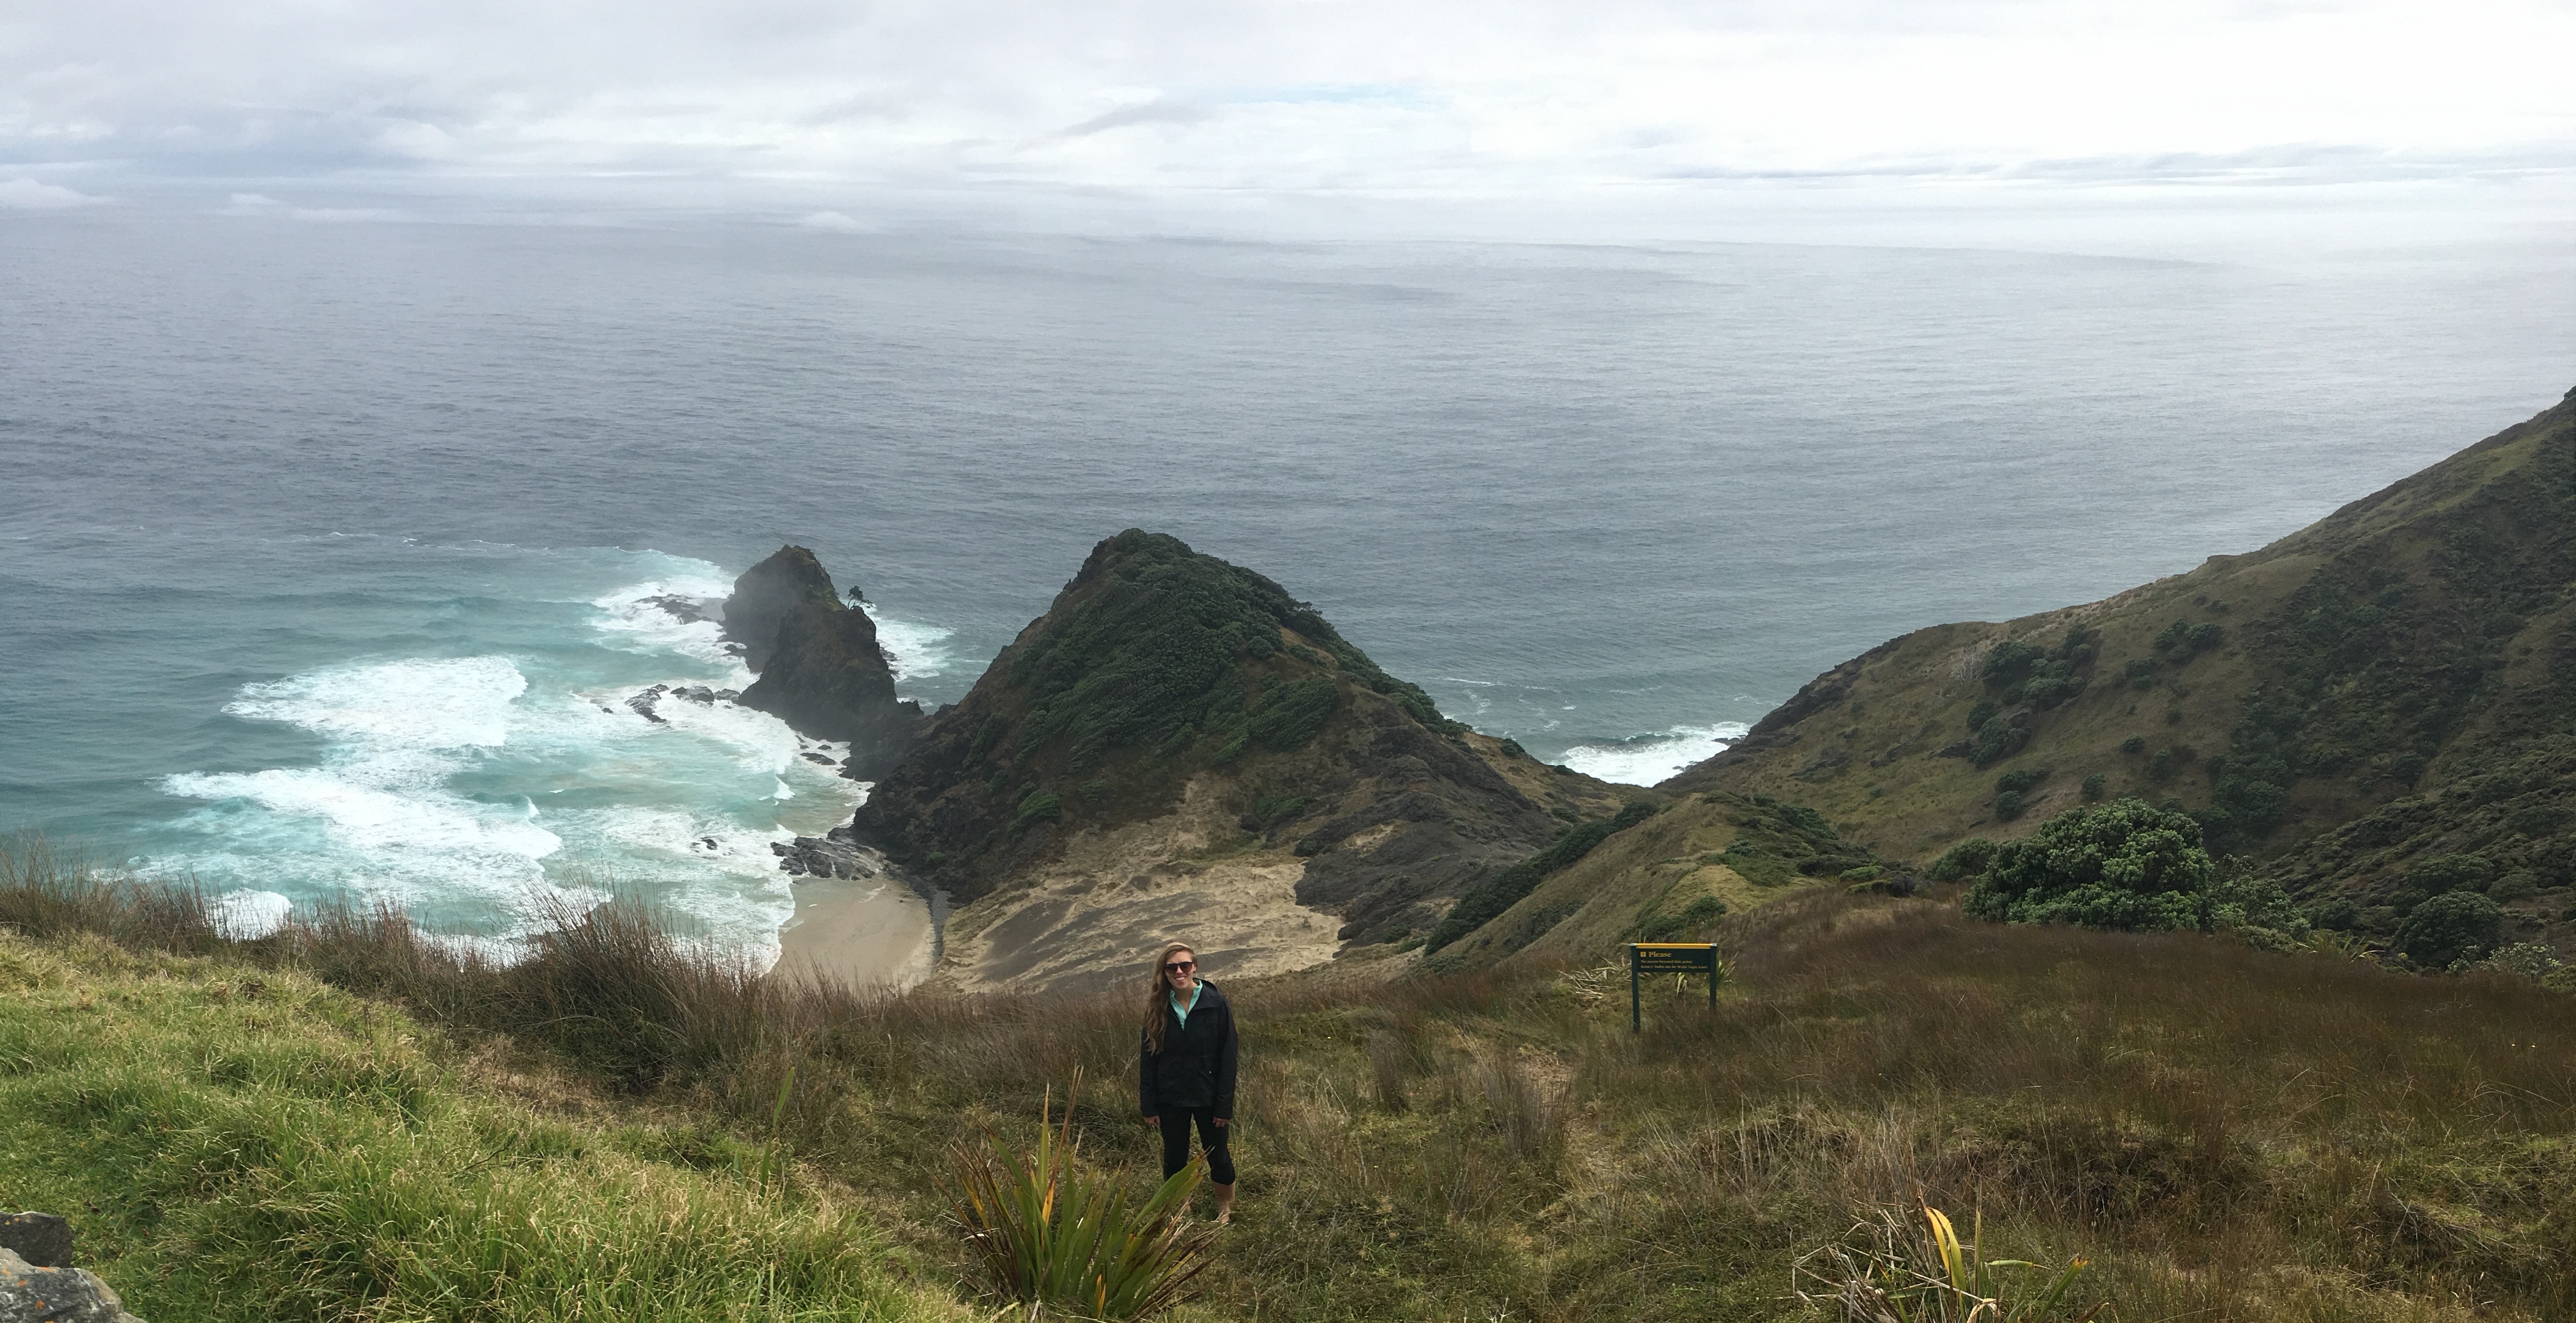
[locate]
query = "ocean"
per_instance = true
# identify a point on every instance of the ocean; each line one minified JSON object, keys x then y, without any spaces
{"x":326,"y":548}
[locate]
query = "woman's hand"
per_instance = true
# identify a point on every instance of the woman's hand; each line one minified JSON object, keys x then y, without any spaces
{"x":1153,"y":1120}
{"x":1220,"y":1122}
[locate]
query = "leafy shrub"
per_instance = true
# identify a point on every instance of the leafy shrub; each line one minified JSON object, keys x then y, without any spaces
{"x":2441,"y":874}
{"x":2135,"y":744}
{"x":2008,"y":805}
{"x":2531,"y":960}
{"x":2451,"y":927}
{"x":2096,"y":786}
{"x":2021,"y":778}
{"x":1966,"y":859}
{"x":1270,"y":810}
{"x":1693,"y":918}
{"x":1038,"y":806}
{"x":2011,"y":661}
{"x":2520,"y":884}
{"x":1979,"y":713}
{"x":2140,"y":672}
{"x":1997,"y":740}
{"x":1289,"y":717}
{"x":2122,"y":865}
{"x":2160,"y":768}
{"x":2182,"y":640}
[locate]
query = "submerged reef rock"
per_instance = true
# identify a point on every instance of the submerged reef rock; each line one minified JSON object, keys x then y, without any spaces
{"x":821,"y":670}
{"x":1177,"y":742}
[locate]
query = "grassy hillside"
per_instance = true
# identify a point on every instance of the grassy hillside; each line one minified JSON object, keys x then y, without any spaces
{"x":1669,"y":877}
{"x":2227,"y":1134}
{"x":2400,"y":651}
{"x":240,"y":1142}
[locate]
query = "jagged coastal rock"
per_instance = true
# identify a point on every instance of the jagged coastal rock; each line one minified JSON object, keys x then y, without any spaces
{"x":2375,"y":709}
{"x":821,"y":670}
{"x":1179,"y":746}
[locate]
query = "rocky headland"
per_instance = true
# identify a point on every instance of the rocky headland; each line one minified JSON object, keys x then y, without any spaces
{"x":1179,"y":747}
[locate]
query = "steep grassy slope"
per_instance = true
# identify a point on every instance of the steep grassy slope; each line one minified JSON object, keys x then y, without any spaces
{"x":240,"y":1143}
{"x":1180,"y":748}
{"x":2399,"y":650}
{"x":1669,"y":877}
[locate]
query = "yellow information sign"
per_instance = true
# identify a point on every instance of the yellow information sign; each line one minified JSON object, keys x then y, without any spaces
{"x":1667,"y":958}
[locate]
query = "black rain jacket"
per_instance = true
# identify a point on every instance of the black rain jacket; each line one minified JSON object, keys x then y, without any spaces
{"x":1195,"y":1069}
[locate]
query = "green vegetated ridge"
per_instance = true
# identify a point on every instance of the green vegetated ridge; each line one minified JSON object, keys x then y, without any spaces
{"x":2393,"y":685}
{"x":1159,"y":667}
{"x":1653,"y":873}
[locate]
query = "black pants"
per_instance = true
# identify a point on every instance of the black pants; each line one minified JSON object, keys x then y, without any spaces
{"x":1176,"y":1143}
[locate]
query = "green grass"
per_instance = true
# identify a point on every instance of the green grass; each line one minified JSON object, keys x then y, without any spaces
{"x":240,"y":1143}
{"x":2224,"y":1134}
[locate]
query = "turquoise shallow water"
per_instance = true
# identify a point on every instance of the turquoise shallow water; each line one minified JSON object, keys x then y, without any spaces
{"x":326,"y":545}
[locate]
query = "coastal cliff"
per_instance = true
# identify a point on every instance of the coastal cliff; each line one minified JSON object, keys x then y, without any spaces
{"x":1179,"y":747}
{"x":820,"y":667}
{"x":2372,"y":710}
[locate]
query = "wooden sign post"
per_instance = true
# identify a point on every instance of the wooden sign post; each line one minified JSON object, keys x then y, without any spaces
{"x":1667,"y":958}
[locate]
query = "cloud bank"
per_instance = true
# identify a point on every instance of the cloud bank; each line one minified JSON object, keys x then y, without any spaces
{"x":1592,"y":107}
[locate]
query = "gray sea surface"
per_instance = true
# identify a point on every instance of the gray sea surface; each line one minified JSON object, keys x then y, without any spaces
{"x":327,"y":546}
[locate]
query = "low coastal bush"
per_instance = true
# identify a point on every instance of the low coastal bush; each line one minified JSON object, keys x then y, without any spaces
{"x":1965,"y":860}
{"x":2451,"y":928}
{"x":2128,"y":866}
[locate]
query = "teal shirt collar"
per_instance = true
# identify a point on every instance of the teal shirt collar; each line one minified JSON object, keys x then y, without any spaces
{"x":1183,"y":1011}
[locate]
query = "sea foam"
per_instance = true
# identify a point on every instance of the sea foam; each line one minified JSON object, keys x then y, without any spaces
{"x":1647,"y":759}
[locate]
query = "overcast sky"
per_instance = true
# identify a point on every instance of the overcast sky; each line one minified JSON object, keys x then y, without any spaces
{"x":1616,"y":115}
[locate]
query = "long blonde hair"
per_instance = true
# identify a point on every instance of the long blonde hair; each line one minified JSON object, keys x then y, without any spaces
{"x":1158,"y":993}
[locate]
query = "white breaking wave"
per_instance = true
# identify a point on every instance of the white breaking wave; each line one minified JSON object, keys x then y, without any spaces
{"x":912,"y":651}
{"x":446,"y":703}
{"x":1647,"y":759}
{"x":398,"y":732}
{"x":636,"y":615}
{"x":484,"y":794}
{"x":247,"y":915}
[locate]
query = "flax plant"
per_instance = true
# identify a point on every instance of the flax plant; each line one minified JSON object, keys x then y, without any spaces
{"x":1051,"y":1233}
{"x":1888,"y":1270}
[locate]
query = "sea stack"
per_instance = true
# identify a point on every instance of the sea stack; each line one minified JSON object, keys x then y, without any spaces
{"x":820,"y":668}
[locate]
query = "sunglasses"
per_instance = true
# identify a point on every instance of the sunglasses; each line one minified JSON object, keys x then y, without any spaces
{"x":1178,"y":965}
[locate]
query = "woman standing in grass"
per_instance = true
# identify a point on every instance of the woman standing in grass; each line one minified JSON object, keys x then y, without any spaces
{"x":1185,"y":1068}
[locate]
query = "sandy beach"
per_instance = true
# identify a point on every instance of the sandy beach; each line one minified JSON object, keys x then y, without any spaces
{"x":863,"y":932}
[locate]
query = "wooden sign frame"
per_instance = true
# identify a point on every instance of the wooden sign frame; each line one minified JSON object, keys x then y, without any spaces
{"x":1666,"y":958}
